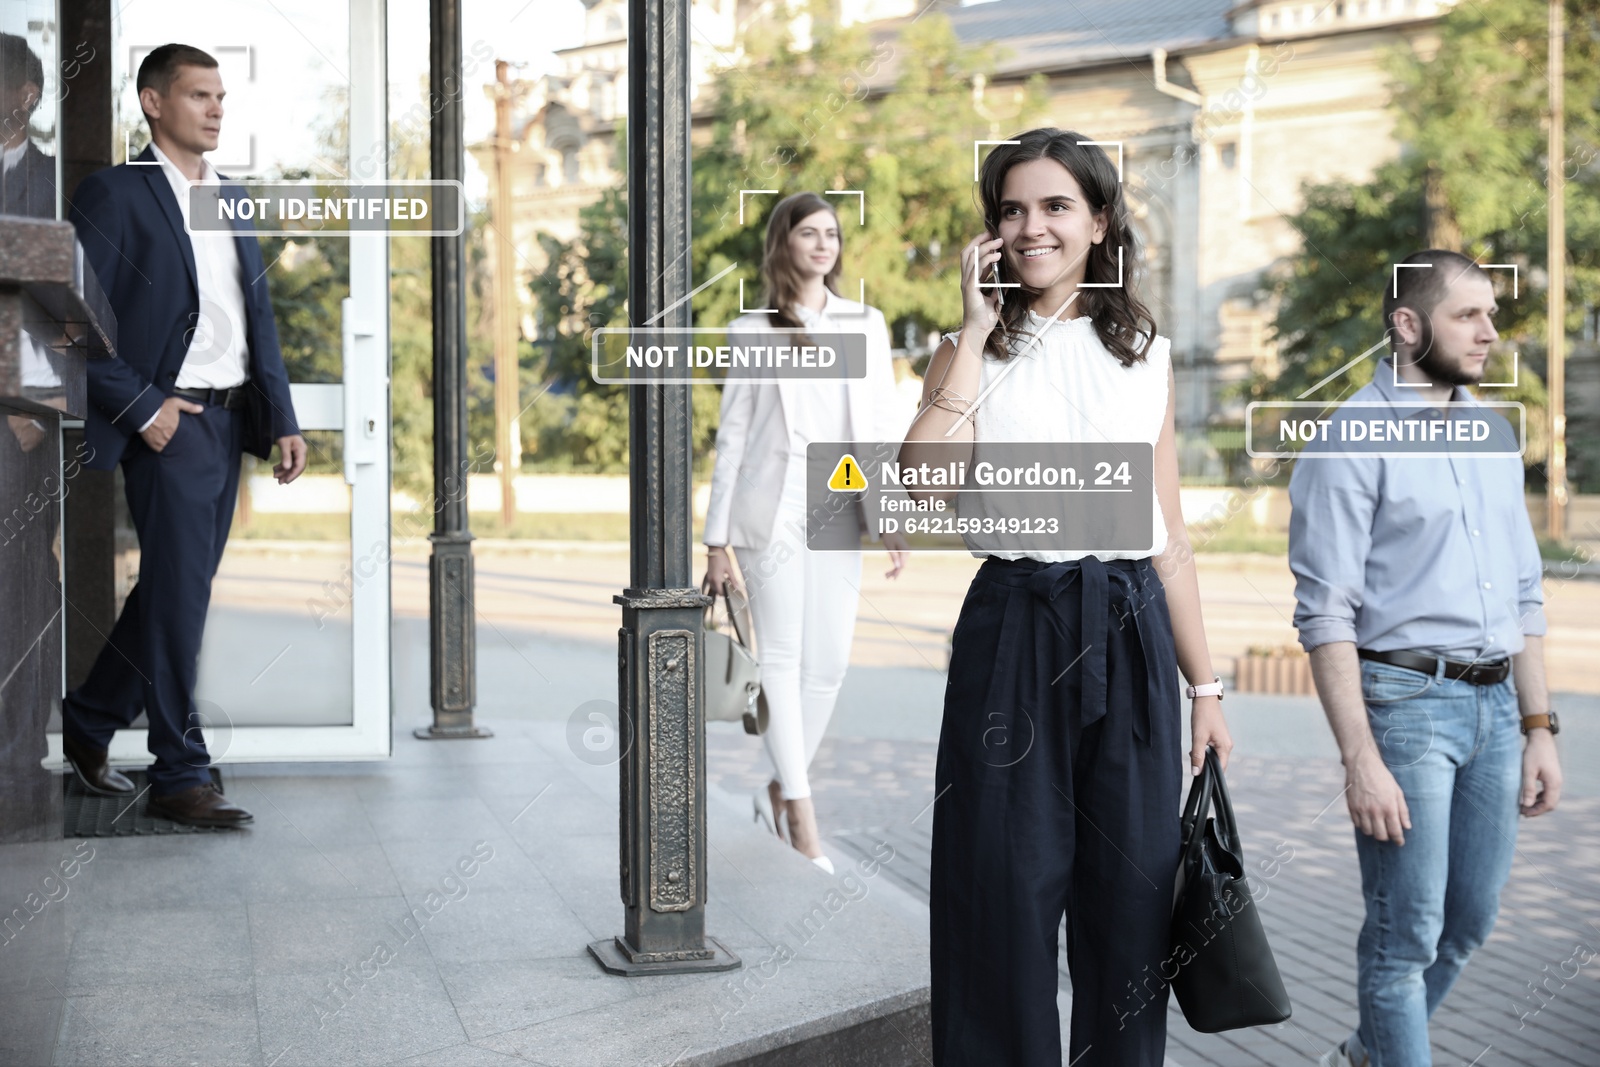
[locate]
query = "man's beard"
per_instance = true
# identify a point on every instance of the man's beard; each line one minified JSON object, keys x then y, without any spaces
{"x":1427,"y":359}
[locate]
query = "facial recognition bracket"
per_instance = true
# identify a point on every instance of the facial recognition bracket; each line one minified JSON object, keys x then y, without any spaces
{"x":856,"y":193}
{"x":1107,"y":285}
{"x":1516,"y":356}
{"x":749,"y":311}
{"x":975,"y":145}
{"x":753,"y":192}
{"x":1102,"y":144}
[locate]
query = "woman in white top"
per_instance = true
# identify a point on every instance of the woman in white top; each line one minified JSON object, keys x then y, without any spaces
{"x":1059,"y":773}
{"x":802,"y":602}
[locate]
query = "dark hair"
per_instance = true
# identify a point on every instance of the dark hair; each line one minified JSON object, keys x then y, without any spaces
{"x":780,"y":282}
{"x":160,"y":67}
{"x":19,"y":64}
{"x":1421,"y":289}
{"x":1124,"y":324}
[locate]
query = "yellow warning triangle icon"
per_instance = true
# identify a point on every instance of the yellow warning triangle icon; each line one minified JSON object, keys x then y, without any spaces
{"x":848,"y":476}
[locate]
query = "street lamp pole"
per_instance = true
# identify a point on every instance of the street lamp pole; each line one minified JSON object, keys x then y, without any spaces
{"x":452,"y":637}
{"x":1556,"y":259}
{"x":660,"y":647}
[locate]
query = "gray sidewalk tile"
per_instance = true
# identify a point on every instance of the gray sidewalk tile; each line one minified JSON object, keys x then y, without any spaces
{"x":296,"y":937}
{"x":463,"y":1055}
{"x":492,"y":925}
{"x":493,"y":857}
{"x":496,"y":996}
{"x":124,"y":946}
{"x":451,"y":818}
{"x":551,"y":804}
{"x":302,"y":872}
{"x":133,"y":873}
{"x":684,"y":1020}
{"x":171,"y":1020}
{"x":294,"y":815}
{"x":371,"y":1015}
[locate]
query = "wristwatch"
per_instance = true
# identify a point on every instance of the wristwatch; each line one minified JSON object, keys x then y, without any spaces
{"x":1533,"y":722}
{"x":1213,"y":688}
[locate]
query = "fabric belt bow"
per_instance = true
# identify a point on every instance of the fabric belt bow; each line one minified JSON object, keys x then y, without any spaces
{"x":1010,"y":687}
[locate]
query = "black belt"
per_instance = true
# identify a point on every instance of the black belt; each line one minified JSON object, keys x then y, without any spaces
{"x":1472,"y":673}
{"x":231,"y":398}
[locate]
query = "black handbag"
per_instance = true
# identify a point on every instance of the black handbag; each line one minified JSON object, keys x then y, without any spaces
{"x":1226,"y":977}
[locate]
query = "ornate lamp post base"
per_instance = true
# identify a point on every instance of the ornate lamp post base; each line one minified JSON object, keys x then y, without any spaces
{"x":618,"y":957}
{"x":450,"y":733}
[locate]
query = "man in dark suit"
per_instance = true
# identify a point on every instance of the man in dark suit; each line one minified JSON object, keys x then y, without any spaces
{"x":27,"y":175}
{"x":198,"y":380}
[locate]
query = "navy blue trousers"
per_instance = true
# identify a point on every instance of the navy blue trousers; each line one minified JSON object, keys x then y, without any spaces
{"x":182,"y":500}
{"x":1058,"y":789}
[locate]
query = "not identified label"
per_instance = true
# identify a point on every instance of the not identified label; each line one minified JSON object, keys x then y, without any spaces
{"x":1310,"y":430}
{"x":699,"y":355}
{"x":329,"y":208}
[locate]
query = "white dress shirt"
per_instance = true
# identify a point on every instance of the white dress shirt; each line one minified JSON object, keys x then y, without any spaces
{"x":10,"y":157}
{"x":218,"y":354}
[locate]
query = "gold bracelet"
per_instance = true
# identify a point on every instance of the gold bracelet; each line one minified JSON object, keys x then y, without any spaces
{"x":944,"y":398}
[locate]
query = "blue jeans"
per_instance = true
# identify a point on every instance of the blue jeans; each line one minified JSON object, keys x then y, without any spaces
{"x":1456,"y":751}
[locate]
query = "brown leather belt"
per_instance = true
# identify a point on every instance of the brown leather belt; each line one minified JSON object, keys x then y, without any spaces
{"x":231,"y":398}
{"x":1476,"y":673}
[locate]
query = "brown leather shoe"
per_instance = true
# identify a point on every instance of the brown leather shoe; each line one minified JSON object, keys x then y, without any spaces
{"x":203,"y":805}
{"x":94,"y":771}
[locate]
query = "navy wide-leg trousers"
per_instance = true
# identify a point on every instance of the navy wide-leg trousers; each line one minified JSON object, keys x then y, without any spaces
{"x":1058,"y":789}
{"x":182,"y":501}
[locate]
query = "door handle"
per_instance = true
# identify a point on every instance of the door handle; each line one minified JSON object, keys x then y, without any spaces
{"x":360,"y":416}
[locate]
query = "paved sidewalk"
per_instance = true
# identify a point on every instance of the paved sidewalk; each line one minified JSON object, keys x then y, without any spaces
{"x":1302,"y":853}
{"x":546,"y":644}
{"x":873,"y":780}
{"x":434,"y":910}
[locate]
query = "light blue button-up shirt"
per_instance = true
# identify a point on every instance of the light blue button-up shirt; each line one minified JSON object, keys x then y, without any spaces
{"x":1428,"y":554}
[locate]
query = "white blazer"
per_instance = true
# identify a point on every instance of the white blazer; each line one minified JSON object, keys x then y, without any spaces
{"x":753,"y":437}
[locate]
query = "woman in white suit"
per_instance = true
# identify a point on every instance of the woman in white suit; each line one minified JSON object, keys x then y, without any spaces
{"x":802,"y":602}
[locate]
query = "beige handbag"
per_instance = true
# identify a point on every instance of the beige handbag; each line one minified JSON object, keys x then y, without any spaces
{"x":733,"y":675}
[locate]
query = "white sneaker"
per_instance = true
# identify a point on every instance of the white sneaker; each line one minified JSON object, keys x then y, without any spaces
{"x":1338,"y":1057}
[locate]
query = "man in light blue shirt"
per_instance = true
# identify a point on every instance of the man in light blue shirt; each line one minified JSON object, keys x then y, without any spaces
{"x":1420,"y":601}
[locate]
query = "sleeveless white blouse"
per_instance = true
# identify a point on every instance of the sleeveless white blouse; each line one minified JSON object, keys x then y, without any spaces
{"x":1068,"y":387}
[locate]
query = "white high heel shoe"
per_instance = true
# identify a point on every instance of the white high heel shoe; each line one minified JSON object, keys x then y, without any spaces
{"x":824,"y":862}
{"x":761,"y":802}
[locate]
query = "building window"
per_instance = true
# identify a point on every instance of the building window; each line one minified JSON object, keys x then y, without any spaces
{"x":538,"y":175}
{"x":1227,"y":154}
{"x":569,"y":162}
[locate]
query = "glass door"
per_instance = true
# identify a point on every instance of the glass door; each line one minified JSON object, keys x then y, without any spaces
{"x":296,"y":661}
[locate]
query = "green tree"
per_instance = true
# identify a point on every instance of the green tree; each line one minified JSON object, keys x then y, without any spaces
{"x":788,"y":119}
{"x":793,"y":120}
{"x":576,"y":422}
{"x":310,"y":277}
{"x":1471,"y":117}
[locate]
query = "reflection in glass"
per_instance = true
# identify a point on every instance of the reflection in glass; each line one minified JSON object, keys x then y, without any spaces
{"x":27,"y":172}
